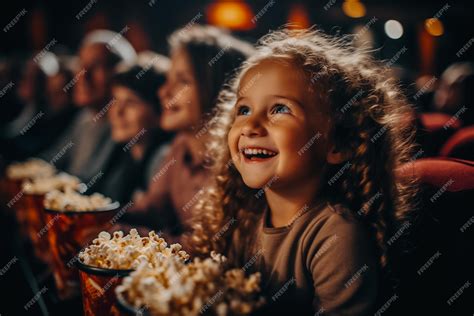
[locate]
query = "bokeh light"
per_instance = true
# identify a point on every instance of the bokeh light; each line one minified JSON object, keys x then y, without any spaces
{"x":434,"y":27}
{"x":354,"y":8}
{"x":393,"y":29}
{"x":232,"y":15}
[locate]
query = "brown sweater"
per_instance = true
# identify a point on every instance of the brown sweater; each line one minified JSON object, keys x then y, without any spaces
{"x":324,"y":263}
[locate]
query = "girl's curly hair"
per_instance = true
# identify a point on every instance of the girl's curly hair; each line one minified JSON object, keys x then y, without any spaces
{"x":371,"y":120}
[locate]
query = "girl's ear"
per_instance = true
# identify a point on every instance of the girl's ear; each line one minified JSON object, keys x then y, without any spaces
{"x":335,"y":156}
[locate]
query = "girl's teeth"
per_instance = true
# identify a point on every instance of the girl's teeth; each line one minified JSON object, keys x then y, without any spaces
{"x":252,"y":151}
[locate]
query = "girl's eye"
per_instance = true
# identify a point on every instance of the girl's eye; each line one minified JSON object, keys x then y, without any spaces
{"x":280,"y":109}
{"x":243,"y":110}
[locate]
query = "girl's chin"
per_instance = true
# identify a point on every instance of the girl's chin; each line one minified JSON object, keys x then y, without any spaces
{"x":258,"y":182}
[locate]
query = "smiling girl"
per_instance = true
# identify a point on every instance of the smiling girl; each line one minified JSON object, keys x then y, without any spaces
{"x":306,"y":192}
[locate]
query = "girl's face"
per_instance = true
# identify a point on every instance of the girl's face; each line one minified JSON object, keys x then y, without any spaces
{"x":129,"y":114}
{"x":179,"y":95}
{"x":279,"y":134}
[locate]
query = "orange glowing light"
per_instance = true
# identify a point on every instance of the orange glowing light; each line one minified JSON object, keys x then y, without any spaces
{"x":353,"y":8}
{"x":434,"y":27}
{"x":298,"y":17}
{"x":232,"y":15}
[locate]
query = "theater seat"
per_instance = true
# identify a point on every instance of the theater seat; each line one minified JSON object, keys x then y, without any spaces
{"x":438,"y":171}
{"x":460,"y":145}
{"x":435,"y":121}
{"x":433,"y":130}
{"x":440,"y":240}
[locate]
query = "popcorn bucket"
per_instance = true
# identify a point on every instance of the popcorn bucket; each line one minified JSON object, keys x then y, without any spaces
{"x":71,"y":231}
{"x":12,"y":194}
{"x":17,"y":172}
{"x":127,"y":309}
{"x":35,"y":225}
{"x":11,"y":187}
{"x":18,"y":204}
{"x":98,"y":289}
{"x":6,"y":189}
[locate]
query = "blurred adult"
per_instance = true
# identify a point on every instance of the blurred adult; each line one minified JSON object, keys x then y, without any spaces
{"x":455,"y":93}
{"x":87,"y":147}
{"x":47,"y":108}
{"x":30,"y":90}
{"x":452,"y":102}
{"x":27,"y":103}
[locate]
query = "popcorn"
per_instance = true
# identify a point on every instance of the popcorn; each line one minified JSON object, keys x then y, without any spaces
{"x":74,"y":201}
{"x":31,"y":168}
{"x":62,"y":182}
{"x":117,"y":251}
{"x":202,"y":287}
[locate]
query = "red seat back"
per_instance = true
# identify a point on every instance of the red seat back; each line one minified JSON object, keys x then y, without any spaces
{"x":452,"y":174}
{"x":440,"y":237}
{"x":460,"y":145}
{"x":435,"y":121}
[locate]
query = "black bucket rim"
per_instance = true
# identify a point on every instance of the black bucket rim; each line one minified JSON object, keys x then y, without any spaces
{"x":109,"y":208}
{"x":125,"y":307}
{"x":102,"y":271}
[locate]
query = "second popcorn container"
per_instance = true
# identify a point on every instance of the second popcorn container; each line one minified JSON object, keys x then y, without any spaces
{"x":16,"y":173}
{"x":35,"y":224}
{"x":77,"y":219}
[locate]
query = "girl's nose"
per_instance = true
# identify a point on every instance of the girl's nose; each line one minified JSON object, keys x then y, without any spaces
{"x":253,"y":128}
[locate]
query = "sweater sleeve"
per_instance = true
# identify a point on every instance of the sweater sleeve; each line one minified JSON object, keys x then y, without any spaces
{"x":344,"y":268}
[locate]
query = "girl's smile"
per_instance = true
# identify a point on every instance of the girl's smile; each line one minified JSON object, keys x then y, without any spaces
{"x":253,"y":154}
